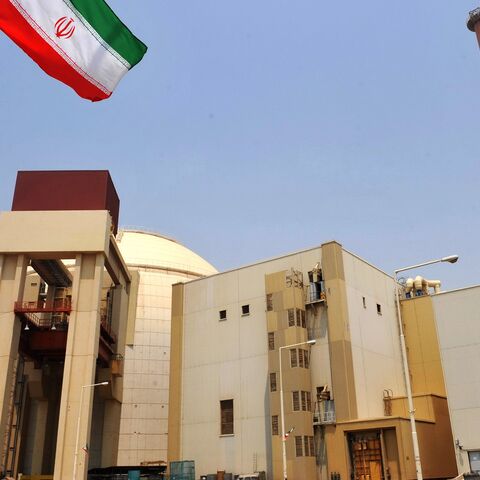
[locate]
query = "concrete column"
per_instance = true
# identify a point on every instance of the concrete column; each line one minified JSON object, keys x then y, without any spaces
{"x":113,"y":405}
{"x":38,"y":440}
{"x":111,"y":432}
{"x":12,"y":282}
{"x":80,"y":365}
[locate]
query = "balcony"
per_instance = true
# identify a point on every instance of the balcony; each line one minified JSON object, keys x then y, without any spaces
{"x":324,"y":413}
{"x":315,"y":293}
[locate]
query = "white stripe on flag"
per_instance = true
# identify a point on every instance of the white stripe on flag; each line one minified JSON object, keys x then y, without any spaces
{"x":82,"y":48}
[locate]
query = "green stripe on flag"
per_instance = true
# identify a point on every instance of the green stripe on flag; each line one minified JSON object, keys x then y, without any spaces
{"x":111,"y":29}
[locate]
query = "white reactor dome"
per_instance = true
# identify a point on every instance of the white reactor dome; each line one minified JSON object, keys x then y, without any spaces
{"x":147,"y":249}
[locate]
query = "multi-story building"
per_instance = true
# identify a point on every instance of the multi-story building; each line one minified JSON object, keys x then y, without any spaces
{"x":318,"y":329}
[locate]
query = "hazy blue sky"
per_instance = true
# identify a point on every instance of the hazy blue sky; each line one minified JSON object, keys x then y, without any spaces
{"x":256,"y":128}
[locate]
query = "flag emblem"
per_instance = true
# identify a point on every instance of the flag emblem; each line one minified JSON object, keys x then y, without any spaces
{"x":64,"y":27}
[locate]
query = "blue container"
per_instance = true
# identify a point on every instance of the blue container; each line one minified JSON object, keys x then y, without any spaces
{"x":134,"y":475}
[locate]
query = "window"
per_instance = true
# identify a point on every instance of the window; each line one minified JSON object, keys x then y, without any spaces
{"x":306,"y":446}
{"x":299,"y":446}
{"x":273,"y":382}
{"x":296,"y":401}
{"x":364,"y":302}
{"x":222,"y":314}
{"x":245,"y":310}
{"x":275,"y":425}
{"x":474,"y":458}
{"x":379,"y":309}
{"x":300,"y":357}
{"x":291,"y":317}
{"x":312,"y":446}
{"x":302,"y":315}
{"x":271,"y":340}
{"x":226,"y":417}
{"x":302,"y":401}
{"x":293,"y":358}
{"x":269,"y":299}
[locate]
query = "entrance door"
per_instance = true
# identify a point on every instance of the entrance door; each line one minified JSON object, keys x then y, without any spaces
{"x":366,"y":452}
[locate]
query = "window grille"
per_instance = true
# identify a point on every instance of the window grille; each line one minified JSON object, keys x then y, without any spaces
{"x":291,"y":317}
{"x":273,"y":382}
{"x":298,"y":446}
{"x":271,"y":340}
{"x":275,"y":425}
{"x":296,"y":401}
{"x":293,"y":358}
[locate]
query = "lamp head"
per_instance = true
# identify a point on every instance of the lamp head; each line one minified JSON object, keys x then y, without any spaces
{"x":103,"y":383}
{"x":312,"y":342}
{"x":450,"y":259}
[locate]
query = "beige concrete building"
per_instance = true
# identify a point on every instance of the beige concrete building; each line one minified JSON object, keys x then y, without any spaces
{"x":344,"y":398}
{"x":74,"y":314}
{"x":55,"y":344}
{"x":452,"y":322}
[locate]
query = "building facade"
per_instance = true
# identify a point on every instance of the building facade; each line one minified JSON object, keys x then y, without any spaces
{"x":452,"y":321}
{"x":344,"y":400}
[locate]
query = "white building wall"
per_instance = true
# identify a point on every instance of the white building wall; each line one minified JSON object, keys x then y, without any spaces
{"x":457,"y":315}
{"x":229,"y":360}
{"x":375,"y":338}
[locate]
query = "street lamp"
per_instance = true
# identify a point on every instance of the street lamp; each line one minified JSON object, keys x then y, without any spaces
{"x":75,"y":461}
{"x":282,"y":409}
{"x":406,"y":371}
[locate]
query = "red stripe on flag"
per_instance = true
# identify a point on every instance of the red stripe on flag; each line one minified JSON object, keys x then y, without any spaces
{"x":20,"y":31}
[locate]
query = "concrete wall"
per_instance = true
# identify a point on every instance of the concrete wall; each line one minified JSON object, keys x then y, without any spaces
{"x":229,"y":360}
{"x":374,"y":337}
{"x":144,"y":422}
{"x":457,"y":316}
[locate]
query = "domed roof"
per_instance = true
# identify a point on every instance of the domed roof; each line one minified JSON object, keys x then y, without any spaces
{"x":147,"y":249}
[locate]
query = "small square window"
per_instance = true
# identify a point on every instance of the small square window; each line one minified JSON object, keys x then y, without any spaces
{"x":379,"y":309}
{"x":222,"y":314}
{"x":245,"y":310}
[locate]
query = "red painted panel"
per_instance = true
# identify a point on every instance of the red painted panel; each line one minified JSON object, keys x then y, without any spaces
{"x":66,"y":190}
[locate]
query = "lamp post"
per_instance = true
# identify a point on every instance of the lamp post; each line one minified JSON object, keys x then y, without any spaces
{"x":282,"y":409}
{"x":406,"y":371}
{"x":75,"y":461}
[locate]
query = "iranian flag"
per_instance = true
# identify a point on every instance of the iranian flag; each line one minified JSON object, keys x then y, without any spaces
{"x":79,"y":42}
